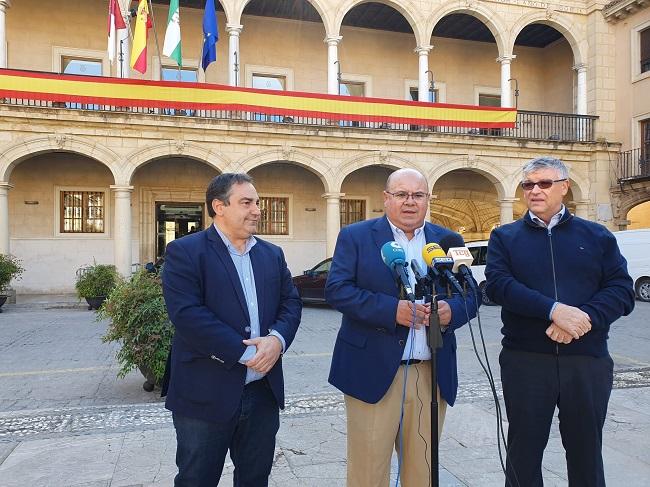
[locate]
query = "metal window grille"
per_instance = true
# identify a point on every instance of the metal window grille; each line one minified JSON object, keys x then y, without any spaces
{"x":275,"y":216}
{"x":82,"y":212}
{"x":352,"y":211}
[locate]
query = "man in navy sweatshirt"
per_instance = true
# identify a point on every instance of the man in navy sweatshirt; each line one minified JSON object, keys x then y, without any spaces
{"x":561,"y":282}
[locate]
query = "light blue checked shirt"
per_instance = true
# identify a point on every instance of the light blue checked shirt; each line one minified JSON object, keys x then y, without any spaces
{"x":244,"y":267}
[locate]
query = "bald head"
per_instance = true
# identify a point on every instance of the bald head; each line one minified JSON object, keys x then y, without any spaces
{"x":405,"y":173}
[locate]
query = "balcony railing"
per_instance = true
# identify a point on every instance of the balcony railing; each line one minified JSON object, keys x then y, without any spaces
{"x":633,"y":165}
{"x":531,"y":125}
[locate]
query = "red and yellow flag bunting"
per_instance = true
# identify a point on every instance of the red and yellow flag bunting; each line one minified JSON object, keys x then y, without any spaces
{"x":202,"y":96}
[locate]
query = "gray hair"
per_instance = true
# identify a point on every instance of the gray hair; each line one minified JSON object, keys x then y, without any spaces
{"x":220,"y":188}
{"x":546,"y":162}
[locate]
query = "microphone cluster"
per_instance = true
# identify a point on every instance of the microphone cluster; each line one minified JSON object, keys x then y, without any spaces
{"x":442,"y":268}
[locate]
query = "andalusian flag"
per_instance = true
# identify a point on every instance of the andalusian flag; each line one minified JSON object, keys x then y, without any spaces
{"x":172,"y":46}
{"x":115,"y":22}
{"x":139,"y":49}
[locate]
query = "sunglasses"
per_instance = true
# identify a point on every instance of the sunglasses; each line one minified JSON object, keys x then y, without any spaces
{"x":543,"y":184}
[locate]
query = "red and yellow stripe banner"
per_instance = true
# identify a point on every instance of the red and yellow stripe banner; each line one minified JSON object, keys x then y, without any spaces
{"x":203,"y":96}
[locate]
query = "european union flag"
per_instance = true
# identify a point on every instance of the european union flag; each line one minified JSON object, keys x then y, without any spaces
{"x":210,"y":35}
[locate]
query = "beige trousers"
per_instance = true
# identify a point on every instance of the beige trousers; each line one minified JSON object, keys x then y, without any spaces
{"x":373,"y":431}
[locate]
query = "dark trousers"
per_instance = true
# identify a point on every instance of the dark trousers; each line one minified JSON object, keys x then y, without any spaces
{"x":249,"y":435}
{"x":533,"y":385}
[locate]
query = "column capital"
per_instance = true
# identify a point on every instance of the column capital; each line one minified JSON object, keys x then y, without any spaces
{"x":4,"y":185}
{"x":332,"y":196}
{"x":506,"y":59}
{"x":122,"y":188}
{"x":422,"y":50}
{"x":507,"y":200}
{"x":5,"y":4}
{"x":581,"y":67}
{"x":332,"y":40}
{"x":234,"y":29}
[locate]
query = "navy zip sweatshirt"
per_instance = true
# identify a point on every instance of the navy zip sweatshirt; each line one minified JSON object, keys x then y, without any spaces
{"x":577,"y":263}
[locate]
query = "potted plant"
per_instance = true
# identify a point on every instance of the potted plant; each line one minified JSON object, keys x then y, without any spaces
{"x":10,"y":268}
{"x":95,"y":282}
{"x":139,"y":321}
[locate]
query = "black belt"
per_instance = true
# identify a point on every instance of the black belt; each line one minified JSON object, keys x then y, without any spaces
{"x":411,"y":362}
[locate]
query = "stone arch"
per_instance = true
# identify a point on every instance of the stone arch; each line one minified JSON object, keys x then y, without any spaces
{"x":173,"y":148}
{"x":323,"y":171}
{"x":18,"y":152}
{"x":230,"y":10}
{"x":379,"y":158}
{"x":322,"y":10}
{"x":409,"y":11}
{"x":490,"y":18}
{"x":626,"y":201}
{"x":561,"y":23}
{"x":489,"y":170}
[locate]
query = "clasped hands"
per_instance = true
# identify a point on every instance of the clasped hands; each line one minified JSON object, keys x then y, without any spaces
{"x":422,"y":314}
{"x":269,"y":349}
{"x":569,"y":323}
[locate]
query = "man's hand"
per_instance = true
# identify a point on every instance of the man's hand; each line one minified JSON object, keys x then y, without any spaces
{"x":572,"y":320}
{"x":405,"y":314}
{"x":444,"y":313}
{"x":557,"y":334}
{"x":269,"y":349}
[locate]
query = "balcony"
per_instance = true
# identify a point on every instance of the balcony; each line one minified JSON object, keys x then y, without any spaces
{"x":633,"y":166}
{"x":530,"y":125}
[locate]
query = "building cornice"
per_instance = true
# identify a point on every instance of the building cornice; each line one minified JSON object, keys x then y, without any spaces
{"x":620,"y":9}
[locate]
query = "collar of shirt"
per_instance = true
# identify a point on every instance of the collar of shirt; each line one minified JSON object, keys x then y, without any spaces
{"x":231,"y":248}
{"x":555,"y":219}
{"x":398,"y":232}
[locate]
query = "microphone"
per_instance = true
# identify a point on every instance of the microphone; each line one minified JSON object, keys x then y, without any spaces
{"x":423,"y":283}
{"x":461,"y":255}
{"x":394,"y":257}
{"x":436,"y":259}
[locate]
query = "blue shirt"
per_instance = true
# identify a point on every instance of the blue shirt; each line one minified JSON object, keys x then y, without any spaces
{"x":244,"y":267}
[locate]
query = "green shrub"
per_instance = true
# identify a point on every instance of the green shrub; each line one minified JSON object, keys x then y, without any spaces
{"x":10,"y":268}
{"x":97,"y":280}
{"x":139,"y":321}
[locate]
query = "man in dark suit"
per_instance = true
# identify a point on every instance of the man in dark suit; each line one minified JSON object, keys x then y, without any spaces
{"x":235,"y":311}
{"x":380,"y":345}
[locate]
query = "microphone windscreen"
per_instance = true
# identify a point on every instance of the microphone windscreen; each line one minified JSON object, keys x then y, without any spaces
{"x":451,"y":240}
{"x":432,"y":251}
{"x":393,"y":254}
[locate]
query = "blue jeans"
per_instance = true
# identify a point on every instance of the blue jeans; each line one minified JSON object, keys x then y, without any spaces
{"x":249,"y":435}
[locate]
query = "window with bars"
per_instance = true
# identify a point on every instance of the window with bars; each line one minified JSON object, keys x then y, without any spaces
{"x":82,"y":211}
{"x":275,"y":215}
{"x":352,"y":211}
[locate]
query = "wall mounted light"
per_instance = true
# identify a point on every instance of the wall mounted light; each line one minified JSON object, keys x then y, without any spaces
{"x":31,"y":202}
{"x":378,"y":210}
{"x":310,"y":209}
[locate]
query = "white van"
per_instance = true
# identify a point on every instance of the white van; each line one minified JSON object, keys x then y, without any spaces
{"x":479,"y":252}
{"x":635,"y":247}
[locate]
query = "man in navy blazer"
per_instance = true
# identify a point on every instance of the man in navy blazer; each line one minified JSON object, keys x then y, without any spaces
{"x":235,"y":311}
{"x":380,"y":346}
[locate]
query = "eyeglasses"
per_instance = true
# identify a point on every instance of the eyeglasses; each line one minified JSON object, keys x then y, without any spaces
{"x":402,"y":196}
{"x":543,"y":184}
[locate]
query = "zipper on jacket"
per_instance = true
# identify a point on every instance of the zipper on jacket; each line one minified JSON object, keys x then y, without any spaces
{"x":550,"y":241}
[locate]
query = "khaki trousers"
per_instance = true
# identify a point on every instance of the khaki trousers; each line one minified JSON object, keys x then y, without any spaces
{"x":373,"y":431}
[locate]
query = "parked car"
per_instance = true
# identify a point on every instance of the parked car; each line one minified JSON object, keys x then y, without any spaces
{"x":311,"y":285}
{"x":635,"y":247}
{"x":479,"y":252}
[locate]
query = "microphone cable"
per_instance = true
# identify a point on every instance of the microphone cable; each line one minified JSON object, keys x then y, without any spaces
{"x":488,"y":372}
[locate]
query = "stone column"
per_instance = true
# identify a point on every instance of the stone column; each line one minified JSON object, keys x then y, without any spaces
{"x":581,"y":95}
{"x":423,"y":67}
{"x":234,"y":58}
{"x":332,"y":67}
{"x":506,"y":206}
{"x":4,"y":217}
{"x":582,"y":208}
{"x":4,"y":5}
{"x":333,"y":213}
{"x":506,"y":91}
{"x":122,"y":229}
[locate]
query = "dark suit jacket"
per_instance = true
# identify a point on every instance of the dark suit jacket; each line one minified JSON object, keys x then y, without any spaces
{"x":370,"y":344}
{"x":206,"y":304}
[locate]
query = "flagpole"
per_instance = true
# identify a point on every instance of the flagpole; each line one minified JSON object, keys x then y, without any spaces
{"x":155,"y":36}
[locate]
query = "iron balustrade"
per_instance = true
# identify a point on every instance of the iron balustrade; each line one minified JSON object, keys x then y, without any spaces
{"x":532,"y":125}
{"x":633,"y":165}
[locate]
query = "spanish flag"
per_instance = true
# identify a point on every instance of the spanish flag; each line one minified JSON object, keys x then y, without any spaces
{"x":142,"y":26}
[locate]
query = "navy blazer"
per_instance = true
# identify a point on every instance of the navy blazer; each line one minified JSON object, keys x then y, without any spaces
{"x":370,"y":344}
{"x":206,"y":304}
